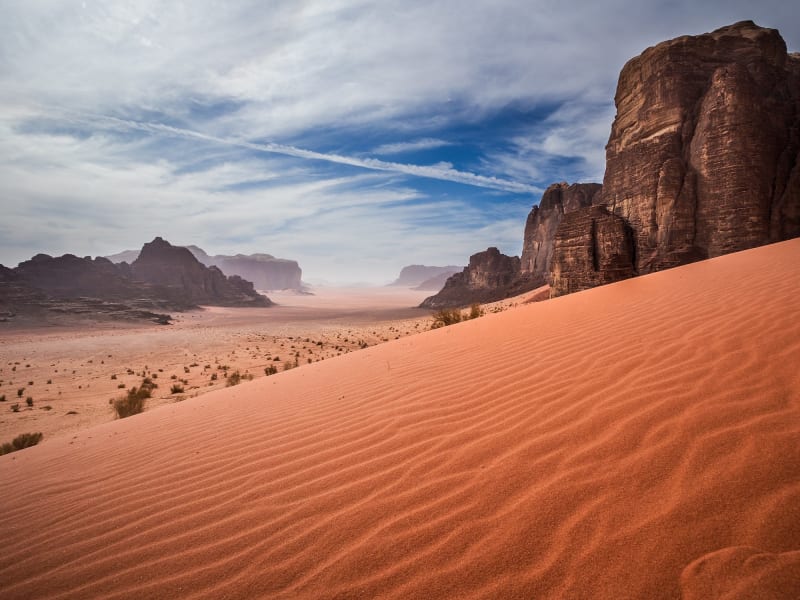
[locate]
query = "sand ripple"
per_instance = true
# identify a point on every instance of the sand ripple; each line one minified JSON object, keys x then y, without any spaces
{"x":640,"y":440}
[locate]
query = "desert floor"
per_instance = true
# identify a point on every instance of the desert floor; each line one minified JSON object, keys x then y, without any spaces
{"x":72,"y":371}
{"x":638,"y":440}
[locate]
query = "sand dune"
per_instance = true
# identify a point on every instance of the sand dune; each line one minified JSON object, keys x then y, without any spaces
{"x":640,"y":440}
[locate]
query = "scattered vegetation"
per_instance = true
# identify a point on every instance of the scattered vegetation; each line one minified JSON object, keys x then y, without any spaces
{"x":133,"y":402}
{"x":20,"y":391}
{"x":176,"y":389}
{"x":450,"y":316}
{"x":270,"y":370}
{"x":24,"y":440}
{"x":29,"y":400}
{"x":236,"y":378}
{"x":15,"y":407}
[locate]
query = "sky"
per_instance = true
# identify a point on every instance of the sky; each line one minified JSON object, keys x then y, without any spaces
{"x":353,"y":136}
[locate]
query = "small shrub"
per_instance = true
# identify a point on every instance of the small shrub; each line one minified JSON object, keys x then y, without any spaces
{"x":15,"y":407}
{"x":234,"y":378}
{"x":133,"y":402}
{"x":120,"y":386}
{"x":3,"y":398}
{"x":475,"y":311}
{"x":49,"y":381}
{"x":113,"y":376}
{"x":24,"y":440}
{"x":29,"y":401}
{"x":213,"y":377}
{"x":270,"y":370}
{"x":176,"y":389}
{"x":288,"y":365}
{"x":446,"y":316}
{"x":20,"y":391}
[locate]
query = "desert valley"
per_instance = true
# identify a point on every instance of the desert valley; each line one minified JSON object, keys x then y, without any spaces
{"x":613,"y":414}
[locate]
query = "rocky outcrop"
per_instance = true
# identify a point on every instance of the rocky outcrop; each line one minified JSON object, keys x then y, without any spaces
{"x":592,"y":247}
{"x":423,"y":277}
{"x":490,"y":276}
{"x":543,"y":221}
{"x":703,"y":156}
{"x":264,"y":270}
{"x":177,"y":270}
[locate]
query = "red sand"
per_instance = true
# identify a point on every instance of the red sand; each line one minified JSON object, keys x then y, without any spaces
{"x":640,"y":440}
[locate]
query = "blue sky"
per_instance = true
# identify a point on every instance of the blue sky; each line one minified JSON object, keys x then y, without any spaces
{"x":353,"y":136}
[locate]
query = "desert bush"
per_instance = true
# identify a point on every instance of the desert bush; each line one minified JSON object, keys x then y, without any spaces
{"x":176,"y":389}
{"x":113,"y":376}
{"x":24,"y":440}
{"x":288,"y":365}
{"x":213,"y":377}
{"x":29,"y":400}
{"x":15,"y":407}
{"x":133,"y":402}
{"x":475,"y":311}
{"x":234,"y":378}
{"x":20,"y":391}
{"x":446,"y":316}
{"x":270,"y":370}
{"x":121,"y":386}
{"x":3,"y":398}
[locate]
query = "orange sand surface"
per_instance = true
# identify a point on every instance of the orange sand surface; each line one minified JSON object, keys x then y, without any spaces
{"x":640,"y":440}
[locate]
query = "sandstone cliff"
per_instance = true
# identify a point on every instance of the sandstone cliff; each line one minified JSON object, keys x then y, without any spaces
{"x":490,"y":276}
{"x":543,"y":221}
{"x":592,"y":247}
{"x":703,"y":154}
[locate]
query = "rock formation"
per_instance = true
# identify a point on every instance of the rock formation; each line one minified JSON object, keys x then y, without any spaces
{"x":264,"y":270}
{"x":163,"y":277}
{"x":703,"y":154}
{"x":417,"y":275}
{"x":703,"y":160}
{"x":177,"y":270}
{"x":490,"y":276}
{"x":592,"y":247}
{"x":543,"y":221}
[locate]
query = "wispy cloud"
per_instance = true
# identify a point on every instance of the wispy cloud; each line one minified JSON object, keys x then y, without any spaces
{"x":440,"y":171}
{"x":402,"y":147}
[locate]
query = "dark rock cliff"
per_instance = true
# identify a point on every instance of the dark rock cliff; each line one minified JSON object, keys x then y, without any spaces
{"x":176,"y":269}
{"x":490,"y":276}
{"x":543,"y":221}
{"x":703,"y":154}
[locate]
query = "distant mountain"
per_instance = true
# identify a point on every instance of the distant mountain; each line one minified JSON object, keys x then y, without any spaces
{"x":127,"y":256}
{"x":177,"y":269}
{"x":264,"y":270}
{"x":417,"y":275}
{"x":435,"y":283}
{"x":162,"y":277}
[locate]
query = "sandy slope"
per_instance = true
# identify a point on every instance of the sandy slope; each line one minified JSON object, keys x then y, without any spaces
{"x":640,"y":440}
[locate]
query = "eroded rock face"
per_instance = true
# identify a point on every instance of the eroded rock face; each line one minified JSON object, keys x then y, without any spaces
{"x":592,"y":247}
{"x":540,"y":228}
{"x":703,"y":154}
{"x":490,"y":276}
{"x":176,"y":269}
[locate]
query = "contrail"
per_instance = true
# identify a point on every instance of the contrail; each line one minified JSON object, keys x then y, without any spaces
{"x":374,"y":164}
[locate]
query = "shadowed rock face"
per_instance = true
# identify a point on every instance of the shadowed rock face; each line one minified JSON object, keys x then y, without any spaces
{"x":175,"y":268}
{"x":592,"y":247}
{"x":543,"y":221}
{"x":490,"y":276}
{"x":703,"y":154}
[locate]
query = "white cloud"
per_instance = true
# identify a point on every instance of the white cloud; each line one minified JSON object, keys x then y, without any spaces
{"x":401,"y":147}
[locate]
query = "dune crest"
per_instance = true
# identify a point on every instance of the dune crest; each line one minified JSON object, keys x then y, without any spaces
{"x":592,"y":446}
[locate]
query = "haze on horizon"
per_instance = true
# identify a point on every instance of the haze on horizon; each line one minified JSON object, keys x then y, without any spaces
{"x":355,"y":137}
